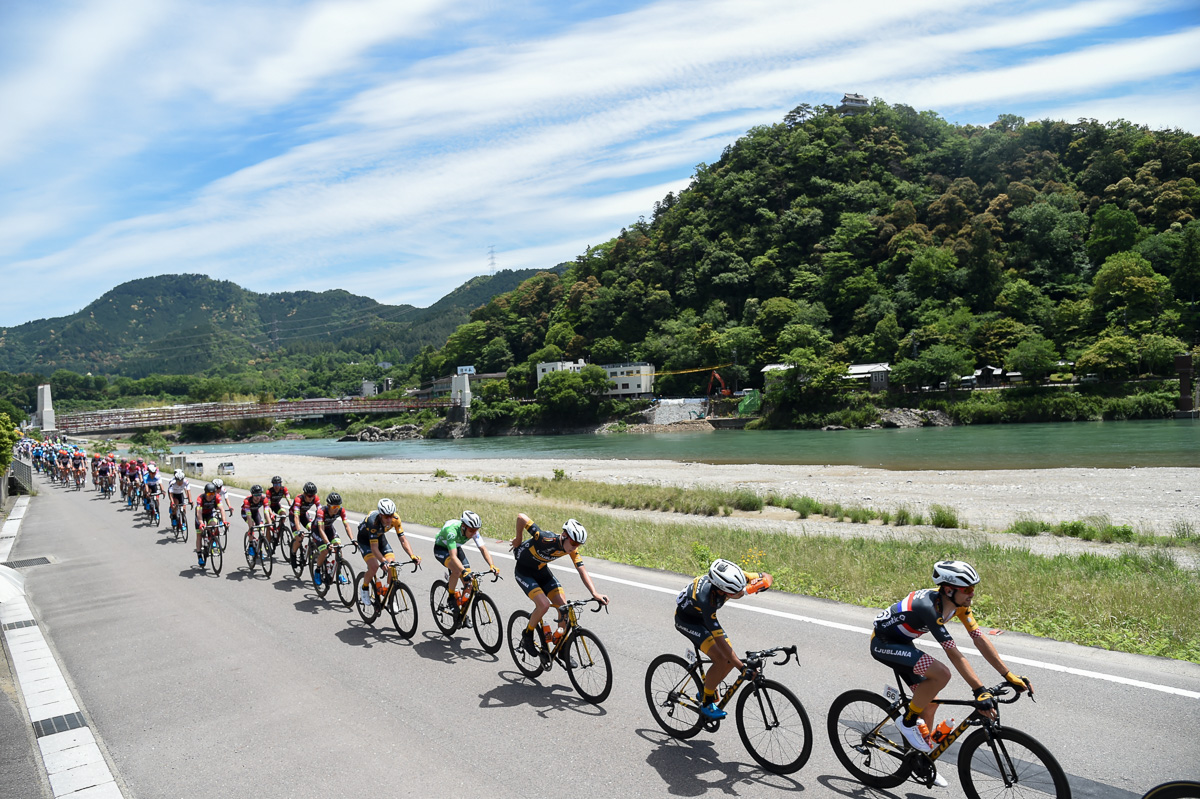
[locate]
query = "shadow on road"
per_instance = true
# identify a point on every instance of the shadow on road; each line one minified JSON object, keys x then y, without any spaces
{"x":358,"y":634}
{"x":436,"y":646}
{"x":518,"y":690}
{"x":688,"y":767}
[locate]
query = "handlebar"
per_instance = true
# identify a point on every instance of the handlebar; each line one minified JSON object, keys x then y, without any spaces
{"x":416,"y":564}
{"x":788,"y":653}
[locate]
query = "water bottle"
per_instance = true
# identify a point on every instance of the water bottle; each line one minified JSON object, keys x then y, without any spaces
{"x":943,"y":729}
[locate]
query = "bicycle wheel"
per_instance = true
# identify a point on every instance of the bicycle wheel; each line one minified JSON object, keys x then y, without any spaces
{"x":527,"y":664}
{"x":368,"y":613}
{"x":1015,"y":765}
{"x":443,"y":610}
{"x":250,"y":553}
{"x":299,"y":559}
{"x":860,"y":729}
{"x":266,"y":555}
{"x":592,"y":673}
{"x":1176,"y":789}
{"x":215,"y":557}
{"x":323,"y":588}
{"x":402,"y":607}
{"x":224,"y":536}
{"x":672,"y":685}
{"x":774,"y":727}
{"x":489,"y":628}
{"x":345,"y":582}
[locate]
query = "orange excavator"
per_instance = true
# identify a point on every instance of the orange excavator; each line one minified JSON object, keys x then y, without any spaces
{"x":724,"y":391}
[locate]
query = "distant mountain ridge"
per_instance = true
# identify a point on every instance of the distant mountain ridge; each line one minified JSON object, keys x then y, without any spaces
{"x":191,"y":323}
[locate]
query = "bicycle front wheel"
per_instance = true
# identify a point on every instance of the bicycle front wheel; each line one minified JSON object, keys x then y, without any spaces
{"x":591,"y":671}
{"x":774,"y":727}
{"x":402,"y":607}
{"x":443,"y":611}
{"x":488,"y":627}
{"x":215,"y":557}
{"x":672,"y":685}
{"x":1014,"y":765}
{"x":266,"y":554}
{"x":345,"y":582}
{"x":527,"y":664}
{"x":860,"y":729}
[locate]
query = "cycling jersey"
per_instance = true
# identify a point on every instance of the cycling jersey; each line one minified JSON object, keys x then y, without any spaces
{"x":451,"y":536}
{"x":374,"y":529}
{"x":302,"y":504}
{"x":700,"y":601}
{"x":153,"y":483}
{"x":177,"y":487}
{"x":208,"y":504}
{"x":915,"y":615}
{"x":255,"y":505}
{"x":328,"y":514}
{"x":540,"y":548}
{"x":277,"y":496}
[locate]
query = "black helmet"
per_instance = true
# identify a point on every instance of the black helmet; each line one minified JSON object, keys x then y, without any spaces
{"x":209,"y":488}
{"x":310,"y":488}
{"x":334,"y":498}
{"x":256,"y":490}
{"x":276,"y":480}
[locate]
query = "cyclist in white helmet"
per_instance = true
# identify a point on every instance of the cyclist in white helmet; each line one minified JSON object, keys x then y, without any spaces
{"x":373,"y":543}
{"x":538,"y":582}
{"x":696,"y":618}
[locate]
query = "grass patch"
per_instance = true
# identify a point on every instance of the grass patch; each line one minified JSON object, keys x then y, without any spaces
{"x":1028,"y":527}
{"x":442,"y":473}
{"x":944,"y":516}
{"x":698,"y":501}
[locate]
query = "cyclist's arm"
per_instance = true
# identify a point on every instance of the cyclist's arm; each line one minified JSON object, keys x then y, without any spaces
{"x":587,"y":582}
{"x":523,"y":522}
{"x":961,"y":665}
{"x":484,"y":551}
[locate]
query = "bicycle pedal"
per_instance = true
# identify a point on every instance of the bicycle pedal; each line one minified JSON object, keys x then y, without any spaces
{"x":712,"y":725}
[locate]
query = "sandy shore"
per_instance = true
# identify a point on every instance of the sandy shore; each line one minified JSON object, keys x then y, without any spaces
{"x":1150,"y":500}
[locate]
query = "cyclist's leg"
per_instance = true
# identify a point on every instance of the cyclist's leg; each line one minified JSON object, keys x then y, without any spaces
{"x":919,"y":670}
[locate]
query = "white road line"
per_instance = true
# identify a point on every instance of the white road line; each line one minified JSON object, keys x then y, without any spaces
{"x":1040,"y":664}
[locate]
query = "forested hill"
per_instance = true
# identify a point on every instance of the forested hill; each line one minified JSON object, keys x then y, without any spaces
{"x":887,"y":236}
{"x":187,"y":324}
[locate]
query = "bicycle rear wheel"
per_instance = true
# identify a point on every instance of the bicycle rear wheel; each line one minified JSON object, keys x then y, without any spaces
{"x":313,"y":570}
{"x":266,"y":553}
{"x":299,"y":557}
{"x":592,"y":673}
{"x":250,"y":553}
{"x":672,"y":685}
{"x":368,"y":613}
{"x":774,"y":727}
{"x":1016,"y":765}
{"x":527,"y":664}
{"x":345,"y":582}
{"x":402,"y":607}
{"x":489,"y":629}
{"x":443,"y":611}
{"x":860,"y":729}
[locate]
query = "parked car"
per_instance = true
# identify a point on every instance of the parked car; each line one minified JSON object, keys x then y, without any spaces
{"x":1090,"y":378}
{"x":225,"y":468}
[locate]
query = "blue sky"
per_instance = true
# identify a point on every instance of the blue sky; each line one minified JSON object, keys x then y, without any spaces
{"x":382,"y":146}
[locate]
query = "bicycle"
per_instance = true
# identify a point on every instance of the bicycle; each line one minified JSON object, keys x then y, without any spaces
{"x":993,"y":761}
{"x":179,"y":525}
{"x":335,"y":569}
{"x":150,"y":502}
{"x":478,"y":608}
{"x":395,"y":596}
{"x":258,"y":548}
{"x":211,"y":544}
{"x":298,"y":556}
{"x":578,"y":650}
{"x":774,"y":727}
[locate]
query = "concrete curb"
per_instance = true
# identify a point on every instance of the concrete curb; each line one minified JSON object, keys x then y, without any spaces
{"x":74,"y":764}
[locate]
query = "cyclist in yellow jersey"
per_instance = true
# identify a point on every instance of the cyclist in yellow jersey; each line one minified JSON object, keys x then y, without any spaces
{"x":373,"y":543}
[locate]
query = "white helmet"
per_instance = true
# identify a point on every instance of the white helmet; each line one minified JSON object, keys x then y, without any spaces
{"x":219,"y":483}
{"x":387,"y":507}
{"x":179,"y":474}
{"x":575,"y":531}
{"x":954,"y":572}
{"x":152,"y":469}
{"x":471,"y":519}
{"x":727,"y":575}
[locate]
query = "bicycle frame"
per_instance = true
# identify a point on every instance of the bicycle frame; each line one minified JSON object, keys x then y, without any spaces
{"x":702,"y":662}
{"x":974,"y":719}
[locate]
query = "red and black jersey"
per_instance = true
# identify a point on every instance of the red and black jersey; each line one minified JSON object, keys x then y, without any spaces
{"x":328,"y":514}
{"x":252,"y":502}
{"x":277,"y":496}
{"x":208,"y":502}
{"x":302,"y":503}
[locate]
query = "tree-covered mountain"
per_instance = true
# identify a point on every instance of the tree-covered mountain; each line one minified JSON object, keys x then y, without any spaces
{"x":889,"y":235}
{"x":187,"y":324}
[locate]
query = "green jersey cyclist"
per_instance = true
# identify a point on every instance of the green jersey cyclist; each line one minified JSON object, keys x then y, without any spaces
{"x":448,"y":549}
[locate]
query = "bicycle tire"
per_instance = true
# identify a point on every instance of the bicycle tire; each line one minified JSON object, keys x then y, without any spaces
{"x":215,"y":558}
{"x":250,"y":556}
{"x":345,"y":589}
{"x":402,"y":607}
{"x":1175,"y":789}
{"x":527,"y":664}
{"x":299,"y":559}
{"x":489,"y":628}
{"x":1035,"y":771}
{"x":368,"y":613}
{"x":872,"y":757}
{"x":592,"y":673}
{"x":774,"y":727}
{"x":443,"y":612}
{"x":266,"y":553}
{"x":670,"y":679}
{"x":323,"y":588}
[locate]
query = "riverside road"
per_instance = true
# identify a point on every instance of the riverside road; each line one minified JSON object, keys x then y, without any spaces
{"x":235,"y":686}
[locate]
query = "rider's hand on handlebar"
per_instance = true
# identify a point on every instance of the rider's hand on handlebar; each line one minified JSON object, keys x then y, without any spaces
{"x":601,"y":598}
{"x":1019,"y":683}
{"x":985,"y":702}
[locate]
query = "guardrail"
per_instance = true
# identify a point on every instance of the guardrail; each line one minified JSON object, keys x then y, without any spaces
{"x":23,"y":472}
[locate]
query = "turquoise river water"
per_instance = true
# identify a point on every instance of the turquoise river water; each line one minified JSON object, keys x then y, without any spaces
{"x":1025,"y":446}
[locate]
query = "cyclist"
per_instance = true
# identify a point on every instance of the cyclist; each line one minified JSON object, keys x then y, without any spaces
{"x":255,"y":510}
{"x":153,"y":483}
{"x":323,"y":531}
{"x":538,"y":582}
{"x":928,"y":610}
{"x":78,"y":460}
{"x":220,"y":484}
{"x":208,"y":506}
{"x":306,"y":506}
{"x":95,"y":464}
{"x":373,"y":543}
{"x":104,"y":473}
{"x":177,"y":491}
{"x":278,"y":495}
{"x":448,"y":549}
{"x":696,"y":617}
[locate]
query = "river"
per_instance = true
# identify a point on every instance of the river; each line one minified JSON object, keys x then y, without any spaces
{"x":1174,"y":442}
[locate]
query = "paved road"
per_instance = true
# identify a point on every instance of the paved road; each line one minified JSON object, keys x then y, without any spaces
{"x":229,"y":686}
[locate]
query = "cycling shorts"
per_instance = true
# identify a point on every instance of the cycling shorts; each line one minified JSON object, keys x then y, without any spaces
{"x":440,"y":552}
{"x":259,"y":516}
{"x":695,"y":631}
{"x":364,"y":545}
{"x":539,"y":581}
{"x":902,"y":656}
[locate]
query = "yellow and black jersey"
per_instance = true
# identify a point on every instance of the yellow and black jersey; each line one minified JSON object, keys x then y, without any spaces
{"x":540,"y":548}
